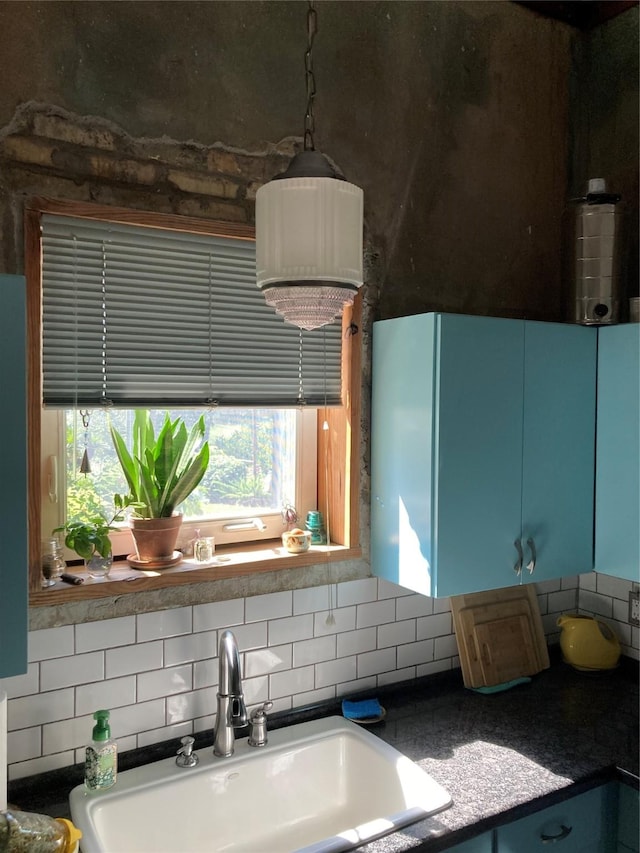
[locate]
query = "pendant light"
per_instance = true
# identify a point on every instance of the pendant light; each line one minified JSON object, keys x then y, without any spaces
{"x":309,"y":229}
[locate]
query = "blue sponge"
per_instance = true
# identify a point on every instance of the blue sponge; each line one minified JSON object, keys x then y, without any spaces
{"x":363,"y":710}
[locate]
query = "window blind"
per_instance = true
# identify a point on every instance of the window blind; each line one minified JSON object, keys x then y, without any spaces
{"x":141,"y":316}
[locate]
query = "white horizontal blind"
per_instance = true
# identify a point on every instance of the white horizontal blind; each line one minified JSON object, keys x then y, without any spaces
{"x":140,"y":316}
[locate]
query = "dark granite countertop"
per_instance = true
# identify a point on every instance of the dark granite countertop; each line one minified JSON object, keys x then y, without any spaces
{"x":498,"y":755}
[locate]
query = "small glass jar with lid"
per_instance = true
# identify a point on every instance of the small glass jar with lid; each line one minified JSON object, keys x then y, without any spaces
{"x":53,"y":564}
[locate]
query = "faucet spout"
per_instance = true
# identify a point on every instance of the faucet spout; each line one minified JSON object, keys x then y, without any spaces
{"x":231,"y":709}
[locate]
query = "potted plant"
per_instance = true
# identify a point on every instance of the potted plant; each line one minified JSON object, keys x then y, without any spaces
{"x":161,"y":472}
{"x":90,"y":540}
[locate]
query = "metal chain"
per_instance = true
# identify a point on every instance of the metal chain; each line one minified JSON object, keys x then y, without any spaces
{"x":309,"y":122}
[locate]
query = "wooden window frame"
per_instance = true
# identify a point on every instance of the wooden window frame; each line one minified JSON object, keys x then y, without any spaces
{"x":338,"y":446}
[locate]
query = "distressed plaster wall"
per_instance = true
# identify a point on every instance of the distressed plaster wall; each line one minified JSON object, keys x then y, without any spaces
{"x":452,"y":116}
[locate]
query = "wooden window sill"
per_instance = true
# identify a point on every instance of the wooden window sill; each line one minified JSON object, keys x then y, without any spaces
{"x":230,"y":563}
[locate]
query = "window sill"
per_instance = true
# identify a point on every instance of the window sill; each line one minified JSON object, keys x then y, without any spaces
{"x":230,"y":563}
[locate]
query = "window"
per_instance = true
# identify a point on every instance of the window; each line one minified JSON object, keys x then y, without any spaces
{"x":243,"y":434}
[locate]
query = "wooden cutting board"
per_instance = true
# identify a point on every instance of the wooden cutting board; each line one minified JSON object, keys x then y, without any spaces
{"x":500,"y":635}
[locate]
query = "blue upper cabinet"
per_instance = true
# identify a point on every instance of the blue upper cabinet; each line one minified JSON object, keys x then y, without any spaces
{"x":618,"y":452}
{"x":13,"y":465}
{"x":482,"y":436}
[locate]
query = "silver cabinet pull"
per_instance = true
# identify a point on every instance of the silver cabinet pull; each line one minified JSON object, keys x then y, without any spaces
{"x":518,"y":566}
{"x":532,"y":562}
{"x":551,"y":839}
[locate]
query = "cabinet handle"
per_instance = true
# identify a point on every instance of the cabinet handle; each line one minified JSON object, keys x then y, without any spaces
{"x":532,"y":562}
{"x":551,"y":839}
{"x":518,"y":566}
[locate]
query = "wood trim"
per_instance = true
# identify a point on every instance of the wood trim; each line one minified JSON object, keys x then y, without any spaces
{"x":33,"y":274}
{"x":338,"y":455}
{"x":254,"y":559}
{"x":339,"y":445}
{"x":150,"y":219}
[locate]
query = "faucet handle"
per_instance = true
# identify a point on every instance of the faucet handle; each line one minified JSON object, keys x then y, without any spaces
{"x":186,"y":757}
{"x":258,"y":725}
{"x":257,"y":713}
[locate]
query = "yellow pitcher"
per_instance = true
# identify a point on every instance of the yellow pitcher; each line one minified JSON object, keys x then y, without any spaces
{"x":588,"y":643}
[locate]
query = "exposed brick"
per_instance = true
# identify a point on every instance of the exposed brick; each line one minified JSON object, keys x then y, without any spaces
{"x":130,"y":171}
{"x":211,"y":210}
{"x":25,"y":150}
{"x":223,"y":161}
{"x":252,"y":189}
{"x":57,"y":127}
{"x":200,"y":184}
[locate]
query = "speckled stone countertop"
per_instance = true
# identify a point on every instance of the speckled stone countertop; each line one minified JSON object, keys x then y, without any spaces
{"x":499,"y":755}
{"x":496,"y":754}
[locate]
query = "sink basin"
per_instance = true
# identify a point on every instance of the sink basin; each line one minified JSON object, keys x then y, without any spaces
{"x":324,"y":785}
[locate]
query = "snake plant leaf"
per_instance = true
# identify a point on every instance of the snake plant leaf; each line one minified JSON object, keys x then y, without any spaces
{"x":188,"y":480}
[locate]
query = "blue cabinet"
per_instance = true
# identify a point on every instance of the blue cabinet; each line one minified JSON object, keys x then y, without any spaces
{"x":628,"y":819}
{"x":617,"y":537}
{"x":13,"y":465}
{"x":583,"y":824}
{"x":482,"y":436}
{"x":481,"y":844}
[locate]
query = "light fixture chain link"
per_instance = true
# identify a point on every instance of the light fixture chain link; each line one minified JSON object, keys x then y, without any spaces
{"x":309,"y":121}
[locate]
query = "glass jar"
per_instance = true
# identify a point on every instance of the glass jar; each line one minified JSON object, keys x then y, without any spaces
{"x":53,"y":564}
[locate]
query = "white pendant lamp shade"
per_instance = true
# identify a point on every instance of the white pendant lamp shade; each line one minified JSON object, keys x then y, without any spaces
{"x":309,"y":246}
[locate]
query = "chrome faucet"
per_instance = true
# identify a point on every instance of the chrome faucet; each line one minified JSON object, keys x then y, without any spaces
{"x":232,"y":713}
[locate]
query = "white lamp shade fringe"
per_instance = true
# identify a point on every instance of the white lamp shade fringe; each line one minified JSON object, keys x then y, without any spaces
{"x":309,"y":247}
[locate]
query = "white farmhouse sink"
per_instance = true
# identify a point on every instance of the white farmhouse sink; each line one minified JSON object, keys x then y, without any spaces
{"x":325,"y":785}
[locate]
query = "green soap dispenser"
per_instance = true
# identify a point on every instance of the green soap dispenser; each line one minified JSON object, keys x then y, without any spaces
{"x":101,"y":757}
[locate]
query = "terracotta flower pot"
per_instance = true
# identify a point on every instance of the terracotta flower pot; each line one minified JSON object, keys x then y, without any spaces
{"x":155,"y":538}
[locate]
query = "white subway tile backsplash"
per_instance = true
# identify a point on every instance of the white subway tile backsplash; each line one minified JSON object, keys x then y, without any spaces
{"x":413,"y":606}
{"x":189,"y":648}
{"x":357,"y":592}
{"x":51,"y":643}
{"x":164,"y":682}
{"x":41,"y":708}
{"x":344,"y":619}
{"x":41,"y":765}
{"x":312,"y":599}
{"x":355,"y":642}
{"x":265,"y":661}
{"x":158,"y":672}
{"x":290,"y":630}
{"x":218,"y":614}
{"x":164,"y":624}
{"x":272,"y":606}
{"x":599,"y":605}
{"x":386,"y":589}
{"x":445,"y":647}
{"x":22,"y":685}
{"x":105,"y":634}
{"x":332,"y":672}
{"x":292,"y":682}
{"x":106,"y":694}
{"x":614,"y":587}
{"x":314,"y":651}
{"x":434,"y":626}
{"x":397,"y":633}
{"x":415,"y":653}
{"x":396,"y":675}
{"x":372,"y":663}
{"x":376,"y":613}
{"x":24,"y":744}
{"x":65,"y":672}
{"x":154,"y":736}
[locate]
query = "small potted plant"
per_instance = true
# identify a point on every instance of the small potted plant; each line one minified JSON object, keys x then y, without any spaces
{"x":161,"y":472}
{"x":90,"y":540}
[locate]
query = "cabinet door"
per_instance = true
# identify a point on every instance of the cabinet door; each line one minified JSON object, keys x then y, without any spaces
{"x":481,"y":844}
{"x":583,"y":824}
{"x":617,"y":549}
{"x":558,"y":448}
{"x":13,"y":465}
{"x":446,"y":452}
{"x":628,"y":819}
